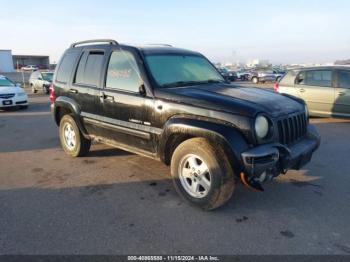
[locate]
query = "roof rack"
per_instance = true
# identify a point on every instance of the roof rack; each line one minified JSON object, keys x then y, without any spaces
{"x":109,"y":41}
{"x":161,"y":45}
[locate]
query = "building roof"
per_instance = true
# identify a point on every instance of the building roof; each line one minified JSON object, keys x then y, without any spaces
{"x":38,"y":56}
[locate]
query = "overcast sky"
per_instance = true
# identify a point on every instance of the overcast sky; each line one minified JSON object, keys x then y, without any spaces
{"x":282,"y":31}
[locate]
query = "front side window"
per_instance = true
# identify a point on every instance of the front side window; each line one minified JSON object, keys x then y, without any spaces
{"x":343,"y":79}
{"x":316,"y":78}
{"x":123,"y":72}
{"x":5,"y":82}
{"x":171,"y":70}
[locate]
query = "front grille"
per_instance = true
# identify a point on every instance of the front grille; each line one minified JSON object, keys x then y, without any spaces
{"x":292,"y":128}
{"x":6,"y":96}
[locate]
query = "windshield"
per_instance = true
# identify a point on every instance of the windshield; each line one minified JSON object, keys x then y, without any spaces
{"x":47,"y":76}
{"x":5,"y":82}
{"x":180,"y":70}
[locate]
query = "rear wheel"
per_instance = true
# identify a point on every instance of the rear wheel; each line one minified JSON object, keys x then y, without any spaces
{"x":33,"y":89}
{"x":202,"y":174}
{"x":72,"y":140}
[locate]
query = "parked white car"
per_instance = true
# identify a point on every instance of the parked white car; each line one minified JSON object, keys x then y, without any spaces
{"x":12,"y":95}
{"x":30,"y":68}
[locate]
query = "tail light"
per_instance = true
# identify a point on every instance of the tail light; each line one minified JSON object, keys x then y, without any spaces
{"x":52,"y":94}
{"x":276,"y":87}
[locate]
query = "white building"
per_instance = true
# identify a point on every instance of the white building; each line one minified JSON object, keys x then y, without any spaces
{"x":6,"y":62}
{"x":258,"y":63}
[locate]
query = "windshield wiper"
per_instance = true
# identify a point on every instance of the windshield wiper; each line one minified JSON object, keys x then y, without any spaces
{"x":191,"y":83}
{"x":181,"y":83}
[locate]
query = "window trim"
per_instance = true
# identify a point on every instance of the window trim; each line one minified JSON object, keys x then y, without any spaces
{"x":312,"y":70}
{"x":87,"y":53}
{"x":106,"y":73}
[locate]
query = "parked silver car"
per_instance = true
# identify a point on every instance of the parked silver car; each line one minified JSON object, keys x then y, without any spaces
{"x":40,"y":81}
{"x":326,"y":90}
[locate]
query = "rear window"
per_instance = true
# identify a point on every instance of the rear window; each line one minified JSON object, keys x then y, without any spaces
{"x":89,"y":69}
{"x":66,"y":67}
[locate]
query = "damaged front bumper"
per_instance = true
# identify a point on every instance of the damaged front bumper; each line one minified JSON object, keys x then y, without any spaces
{"x":268,"y":161}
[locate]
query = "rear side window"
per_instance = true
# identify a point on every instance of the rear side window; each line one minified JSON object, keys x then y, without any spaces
{"x":89,"y":69}
{"x":343,"y":79}
{"x":66,"y":67}
{"x":316,"y":78}
{"x":123,"y":72}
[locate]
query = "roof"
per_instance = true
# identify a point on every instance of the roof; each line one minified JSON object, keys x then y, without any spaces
{"x":321,"y":67}
{"x":146,"y":49}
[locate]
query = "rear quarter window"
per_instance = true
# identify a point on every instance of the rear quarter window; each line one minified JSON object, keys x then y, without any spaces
{"x":66,"y":67}
{"x":288,"y":79}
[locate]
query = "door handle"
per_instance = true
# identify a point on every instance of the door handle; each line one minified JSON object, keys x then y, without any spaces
{"x":103,"y":96}
{"x":301,"y":90}
{"x":341,"y":93}
{"x":73,"y":91}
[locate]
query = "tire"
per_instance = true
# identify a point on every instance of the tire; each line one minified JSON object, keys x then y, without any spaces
{"x":255,"y":80}
{"x":45,"y":90}
{"x":73,"y":142}
{"x":216,"y":184}
{"x":34,"y":91}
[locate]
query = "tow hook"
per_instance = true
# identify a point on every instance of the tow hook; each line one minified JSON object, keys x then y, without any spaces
{"x":251,"y":183}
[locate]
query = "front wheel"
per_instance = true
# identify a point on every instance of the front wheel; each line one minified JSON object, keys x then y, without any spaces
{"x":72,"y":140}
{"x":255,"y":80}
{"x":202,"y":174}
{"x":46,"y":89}
{"x":33,"y":89}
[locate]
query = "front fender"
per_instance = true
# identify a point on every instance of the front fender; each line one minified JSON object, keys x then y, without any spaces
{"x":221,"y":134}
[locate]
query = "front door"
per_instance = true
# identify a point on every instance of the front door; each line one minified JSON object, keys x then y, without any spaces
{"x":342,"y":93}
{"x":315,"y":87}
{"x":125,"y":112}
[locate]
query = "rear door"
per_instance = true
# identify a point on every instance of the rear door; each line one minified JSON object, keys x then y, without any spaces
{"x":342,"y":93}
{"x":315,"y":87}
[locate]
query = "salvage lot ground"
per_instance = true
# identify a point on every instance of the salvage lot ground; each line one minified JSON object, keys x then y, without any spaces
{"x":113,"y":202}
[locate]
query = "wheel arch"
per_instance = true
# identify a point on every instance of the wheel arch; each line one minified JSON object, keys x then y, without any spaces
{"x":66,"y":105}
{"x":178,"y":130}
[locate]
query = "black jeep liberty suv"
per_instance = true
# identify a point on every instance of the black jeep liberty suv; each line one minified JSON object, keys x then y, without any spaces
{"x":173,"y":105}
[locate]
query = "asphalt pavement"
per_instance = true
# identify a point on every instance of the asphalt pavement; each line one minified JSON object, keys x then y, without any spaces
{"x":114,"y":202}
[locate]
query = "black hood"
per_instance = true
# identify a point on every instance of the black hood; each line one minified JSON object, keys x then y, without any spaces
{"x":241,"y":100}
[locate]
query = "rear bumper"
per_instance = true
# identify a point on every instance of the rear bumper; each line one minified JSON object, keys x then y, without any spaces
{"x":270,"y":160}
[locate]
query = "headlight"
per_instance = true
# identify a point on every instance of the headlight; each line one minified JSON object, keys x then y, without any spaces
{"x":261,"y":127}
{"x":21,"y":94}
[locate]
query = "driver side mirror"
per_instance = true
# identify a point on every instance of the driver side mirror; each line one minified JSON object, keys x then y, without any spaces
{"x":142,"y":90}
